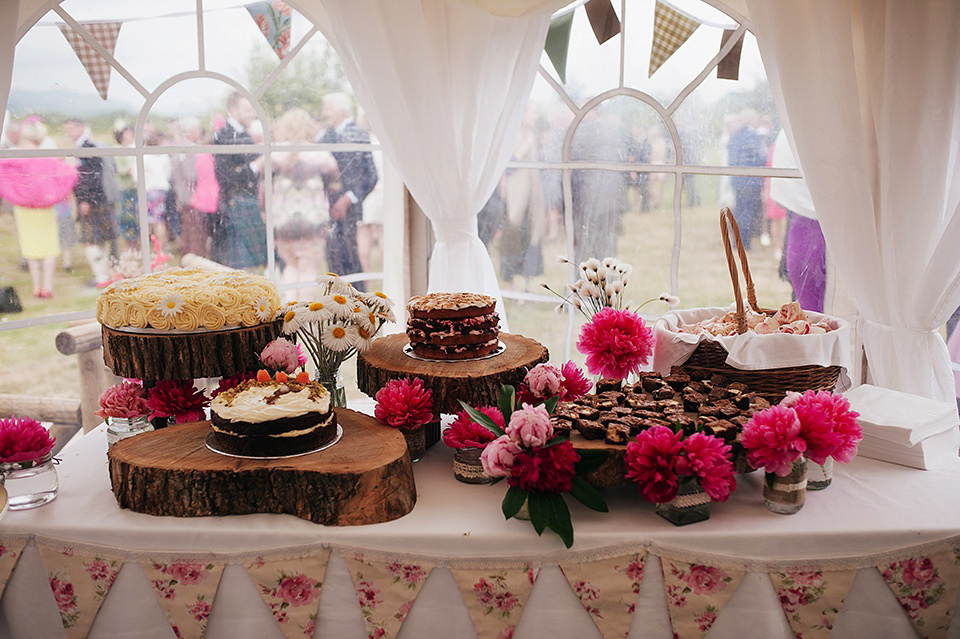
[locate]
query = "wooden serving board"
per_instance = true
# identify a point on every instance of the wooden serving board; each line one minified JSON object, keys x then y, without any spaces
{"x":364,"y":478}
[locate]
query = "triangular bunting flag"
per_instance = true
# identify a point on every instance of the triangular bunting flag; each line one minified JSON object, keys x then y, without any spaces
{"x":80,"y":582}
{"x":603,"y":19}
{"x":97,"y":67}
{"x":811,"y":600}
{"x":386,"y":591}
{"x":926,"y":588}
{"x":608,"y":590}
{"x":495,"y":598}
{"x":291,"y":590}
{"x":11,"y":548}
{"x":558,"y":43}
{"x":670,"y":30}
{"x":273,"y":20}
{"x":729,"y":67}
{"x":186,"y":589}
{"x":696,"y":593}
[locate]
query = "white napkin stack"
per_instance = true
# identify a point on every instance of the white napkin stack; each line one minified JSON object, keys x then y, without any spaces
{"x":906,"y":429}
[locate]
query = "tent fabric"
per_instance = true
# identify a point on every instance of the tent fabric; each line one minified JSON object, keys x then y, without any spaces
{"x":871,"y":95}
{"x":9,"y":12}
{"x":444,"y":86}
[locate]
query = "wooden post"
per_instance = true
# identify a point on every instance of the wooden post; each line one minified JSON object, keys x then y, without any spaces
{"x":59,"y":410}
{"x":84,"y":341}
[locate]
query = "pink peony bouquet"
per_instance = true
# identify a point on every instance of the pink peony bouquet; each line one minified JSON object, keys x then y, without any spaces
{"x":539,"y":466}
{"x":404,"y":403}
{"x":817,"y":424}
{"x":616,"y":343}
{"x":23,"y":439}
{"x":178,"y":399}
{"x":659,"y":459}
{"x":282,"y":355}
{"x":126,"y":400}
{"x":544,"y":381}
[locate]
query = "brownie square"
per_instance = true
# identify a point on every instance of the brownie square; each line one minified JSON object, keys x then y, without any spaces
{"x":617,"y":433}
{"x":591,"y":429}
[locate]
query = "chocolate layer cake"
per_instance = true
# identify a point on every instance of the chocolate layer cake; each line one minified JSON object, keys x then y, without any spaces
{"x":453,"y":326}
{"x":272,"y":419}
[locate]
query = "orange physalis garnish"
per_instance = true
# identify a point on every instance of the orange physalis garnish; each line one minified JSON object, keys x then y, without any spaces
{"x":303,"y":377}
{"x":263,"y":376}
{"x":281,"y":377}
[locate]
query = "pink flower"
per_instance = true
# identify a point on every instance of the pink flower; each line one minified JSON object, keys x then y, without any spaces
{"x":705,"y":580}
{"x":616,"y":343}
{"x":200,"y":609}
{"x":705,"y":620}
{"x":186,"y":573}
{"x":281,"y":355}
{"x":585,"y":590}
{"x":368,"y":594}
{"x":919,"y":573}
{"x":23,"y":439}
{"x":298,"y":590}
{"x":773,"y":440}
{"x":828,"y":425}
{"x":125,"y":400}
{"x":483,"y":591}
{"x":807,"y":578}
{"x":498,"y":456}
{"x":229,"y":382}
{"x":651,"y":463}
{"x":530,"y":426}
{"x":710,"y":459}
{"x":404,"y":609}
{"x":505,"y":601}
{"x":575,"y":384}
{"x":545,"y":470}
{"x":98,"y":570}
{"x":404,"y":403}
{"x":634,"y":571}
{"x":464,"y":432}
{"x":164,"y":589}
{"x":506,"y":633}
{"x":63,"y":594}
{"x":178,"y":399}
{"x":413,"y":574}
{"x":544,"y":380}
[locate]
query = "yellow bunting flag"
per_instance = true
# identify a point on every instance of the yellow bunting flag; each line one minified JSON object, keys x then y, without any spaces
{"x":386,"y":591}
{"x":80,"y":582}
{"x":495,"y":598}
{"x":608,"y":590}
{"x":670,"y":30}
{"x":186,"y":589}
{"x":696,"y":593}
{"x":291,"y":590}
{"x":11,"y":547}
{"x":812,"y":599}
{"x":926,"y":587}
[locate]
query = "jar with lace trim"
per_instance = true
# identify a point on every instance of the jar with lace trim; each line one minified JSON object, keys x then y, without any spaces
{"x":692,"y":504}
{"x":786,"y":495}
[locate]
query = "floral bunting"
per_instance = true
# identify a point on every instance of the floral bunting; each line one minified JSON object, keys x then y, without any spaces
{"x":696,"y":593}
{"x":670,"y":30}
{"x":385,"y":591}
{"x":291,"y":590}
{"x":495,"y":598}
{"x":273,"y":20}
{"x":99,"y":70}
{"x":608,"y":590}
{"x":80,"y":582}
{"x":11,"y":547}
{"x":185,"y":589}
{"x":926,"y":587}
{"x":811,"y":600}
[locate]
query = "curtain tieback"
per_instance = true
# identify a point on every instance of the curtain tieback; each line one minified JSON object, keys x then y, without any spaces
{"x":888,"y":328}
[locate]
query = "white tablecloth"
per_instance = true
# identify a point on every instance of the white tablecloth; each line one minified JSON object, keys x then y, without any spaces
{"x":872,"y":507}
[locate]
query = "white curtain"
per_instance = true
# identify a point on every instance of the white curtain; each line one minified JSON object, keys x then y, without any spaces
{"x":444,"y":85}
{"x":871,"y":91}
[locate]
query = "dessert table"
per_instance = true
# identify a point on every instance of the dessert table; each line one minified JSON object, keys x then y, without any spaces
{"x":873,"y":514}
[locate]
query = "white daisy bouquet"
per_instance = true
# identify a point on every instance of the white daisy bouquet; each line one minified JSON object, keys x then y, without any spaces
{"x":341,"y":322}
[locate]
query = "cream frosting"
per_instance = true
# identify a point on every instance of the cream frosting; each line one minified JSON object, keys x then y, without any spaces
{"x":250,"y":404}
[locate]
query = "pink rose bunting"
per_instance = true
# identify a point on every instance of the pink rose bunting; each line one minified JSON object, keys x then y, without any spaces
{"x":696,"y":593}
{"x":385,"y":591}
{"x":291,"y":590}
{"x":926,"y":588}
{"x":80,"y":582}
{"x":495,"y":598}
{"x":608,"y":590}
{"x":185,"y":589}
{"x":11,"y":546}
{"x":812,"y":600}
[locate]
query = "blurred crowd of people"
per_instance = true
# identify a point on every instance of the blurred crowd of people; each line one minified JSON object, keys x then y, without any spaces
{"x":212,"y":205}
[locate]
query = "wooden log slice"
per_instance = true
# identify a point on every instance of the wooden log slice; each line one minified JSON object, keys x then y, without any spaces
{"x":364,"y":478}
{"x":613,"y":471}
{"x":476,"y":382}
{"x":153,"y":356}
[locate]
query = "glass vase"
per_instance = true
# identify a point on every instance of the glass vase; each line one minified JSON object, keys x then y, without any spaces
{"x":786,"y":495}
{"x":692,"y":504}
{"x":416,"y":442}
{"x":467,"y":467}
{"x":119,"y":428}
{"x":333,"y":382}
{"x":819,"y":476}
{"x":30,"y":483}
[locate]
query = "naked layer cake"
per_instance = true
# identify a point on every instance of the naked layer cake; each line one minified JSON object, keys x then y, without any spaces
{"x":267,"y":417}
{"x":453,"y":326}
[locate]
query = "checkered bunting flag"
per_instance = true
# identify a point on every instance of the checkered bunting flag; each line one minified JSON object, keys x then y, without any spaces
{"x":97,"y":67}
{"x":670,"y":30}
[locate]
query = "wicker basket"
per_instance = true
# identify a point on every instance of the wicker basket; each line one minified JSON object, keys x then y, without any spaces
{"x":710,"y":357}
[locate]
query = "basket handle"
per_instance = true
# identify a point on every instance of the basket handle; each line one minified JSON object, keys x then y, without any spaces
{"x":726,"y":222}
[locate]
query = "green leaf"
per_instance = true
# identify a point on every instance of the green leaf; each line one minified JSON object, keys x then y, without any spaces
{"x":553,"y":441}
{"x":539,"y":512}
{"x":582,"y":491}
{"x":560,"y":519}
{"x":506,"y":401}
{"x":551,"y":404}
{"x":481,"y":419}
{"x":590,"y":460}
{"x":513,"y":501}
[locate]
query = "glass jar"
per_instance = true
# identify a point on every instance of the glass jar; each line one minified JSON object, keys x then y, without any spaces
{"x":692,"y":504}
{"x":467,"y":467}
{"x":819,"y":476}
{"x":416,"y":442}
{"x":334,"y":385}
{"x":786,"y":495}
{"x":122,"y":427}
{"x":30,"y":483}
